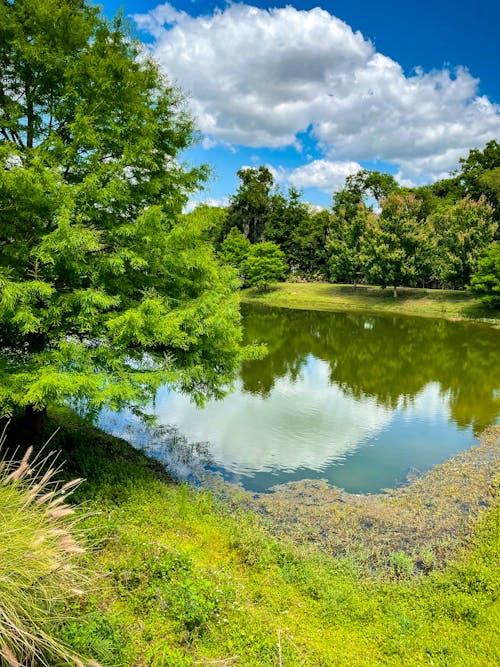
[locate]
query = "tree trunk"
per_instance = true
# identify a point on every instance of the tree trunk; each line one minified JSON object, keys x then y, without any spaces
{"x":395,"y":292}
{"x":35,"y":420}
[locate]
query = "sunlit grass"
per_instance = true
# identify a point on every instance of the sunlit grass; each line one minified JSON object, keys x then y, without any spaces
{"x":449,"y":304}
{"x":196,"y":581}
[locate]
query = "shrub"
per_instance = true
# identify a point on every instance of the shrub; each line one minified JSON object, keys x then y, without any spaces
{"x":265,"y":264}
{"x":40,"y":568}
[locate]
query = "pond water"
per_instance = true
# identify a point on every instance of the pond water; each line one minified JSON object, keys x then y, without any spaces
{"x":360,"y":400}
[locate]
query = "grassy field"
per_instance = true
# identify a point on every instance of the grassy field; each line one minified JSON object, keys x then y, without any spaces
{"x":182,"y":578}
{"x":450,"y":304}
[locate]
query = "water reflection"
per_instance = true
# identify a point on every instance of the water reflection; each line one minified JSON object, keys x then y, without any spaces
{"x":388,"y":358}
{"x":359,"y":400}
{"x":305,"y":422}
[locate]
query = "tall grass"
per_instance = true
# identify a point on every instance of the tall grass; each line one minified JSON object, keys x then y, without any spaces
{"x":40,"y":560}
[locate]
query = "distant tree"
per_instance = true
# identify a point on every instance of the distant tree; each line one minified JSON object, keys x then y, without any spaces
{"x":346,"y":260}
{"x":360,"y":186}
{"x":251,"y":205}
{"x":287,"y":214}
{"x":264,"y":265}
{"x":106,"y":291}
{"x":485,"y":281}
{"x":399,"y":247}
{"x":372,"y":184}
{"x":310,"y":236}
{"x":463,"y":232}
{"x":478,"y":175}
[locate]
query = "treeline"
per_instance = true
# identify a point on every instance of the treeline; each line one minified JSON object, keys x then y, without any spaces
{"x":443,"y":235}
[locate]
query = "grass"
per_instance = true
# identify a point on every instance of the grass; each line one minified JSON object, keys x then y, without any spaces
{"x":40,"y":568}
{"x":191,"y":580}
{"x":448,"y":304}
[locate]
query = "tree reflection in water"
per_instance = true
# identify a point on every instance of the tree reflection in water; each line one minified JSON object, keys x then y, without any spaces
{"x":389,"y":358}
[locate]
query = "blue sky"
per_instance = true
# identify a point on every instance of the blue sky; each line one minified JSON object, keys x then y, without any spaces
{"x":315,"y":93}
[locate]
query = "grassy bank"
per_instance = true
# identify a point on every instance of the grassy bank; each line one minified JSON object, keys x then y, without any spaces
{"x":450,"y":304}
{"x":184,"y":579}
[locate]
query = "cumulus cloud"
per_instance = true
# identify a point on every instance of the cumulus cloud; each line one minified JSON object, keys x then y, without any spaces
{"x":261,"y":77}
{"x":322,"y":174}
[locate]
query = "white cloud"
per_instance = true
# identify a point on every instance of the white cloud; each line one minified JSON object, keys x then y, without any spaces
{"x":260,"y":77}
{"x":209,"y":201}
{"x":323,"y":174}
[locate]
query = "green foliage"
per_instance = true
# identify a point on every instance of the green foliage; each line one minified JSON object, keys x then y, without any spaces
{"x":211,"y":218}
{"x":235,"y":248}
{"x":358,"y":187}
{"x":106,"y":290}
{"x":310,"y":254}
{"x":345,"y":244}
{"x":251,"y":206}
{"x":265,"y":264}
{"x":286,"y":225}
{"x":463,"y":231}
{"x":40,"y":561}
{"x":485,"y":282}
{"x":479,"y":175}
{"x":398,"y":246}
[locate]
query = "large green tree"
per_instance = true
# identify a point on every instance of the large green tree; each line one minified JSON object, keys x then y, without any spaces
{"x":463,"y":231}
{"x":398,"y":245}
{"x":106,"y":291}
{"x":265,"y":264}
{"x":345,"y":244}
{"x":479,"y":174}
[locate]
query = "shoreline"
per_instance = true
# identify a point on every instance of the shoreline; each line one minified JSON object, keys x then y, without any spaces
{"x":435,"y":512}
{"x":452,"y":305}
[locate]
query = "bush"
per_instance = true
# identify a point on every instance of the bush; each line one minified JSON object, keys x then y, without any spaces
{"x":264,"y":265}
{"x":40,"y":566}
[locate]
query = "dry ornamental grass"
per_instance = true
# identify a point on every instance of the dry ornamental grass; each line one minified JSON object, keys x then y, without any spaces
{"x":40,"y":560}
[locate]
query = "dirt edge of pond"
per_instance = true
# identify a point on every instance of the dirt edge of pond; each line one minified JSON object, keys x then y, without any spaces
{"x":427,"y":520}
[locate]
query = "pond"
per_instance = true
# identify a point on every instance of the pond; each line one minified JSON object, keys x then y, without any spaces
{"x":361,"y":400}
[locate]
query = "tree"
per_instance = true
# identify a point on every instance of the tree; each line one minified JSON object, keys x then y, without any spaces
{"x":287,"y":216}
{"x":345,"y":245}
{"x":485,"y":282}
{"x":398,"y":246}
{"x":479,"y":175}
{"x":251,"y":206}
{"x":106,"y":292}
{"x":463,"y":232}
{"x":361,"y":185}
{"x":264,"y":265}
{"x":213,"y":218}
{"x":372,"y":184}
{"x":310,"y":254}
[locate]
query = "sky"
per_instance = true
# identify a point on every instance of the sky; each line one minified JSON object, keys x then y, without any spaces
{"x":317,"y":92}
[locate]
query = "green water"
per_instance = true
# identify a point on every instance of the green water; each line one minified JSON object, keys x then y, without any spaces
{"x":360,"y":400}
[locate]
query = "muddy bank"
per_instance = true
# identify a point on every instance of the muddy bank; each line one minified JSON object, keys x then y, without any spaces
{"x":428,"y":519}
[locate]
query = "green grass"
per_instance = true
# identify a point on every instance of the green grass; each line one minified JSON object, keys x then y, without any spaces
{"x":449,"y":304}
{"x":189,"y":580}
